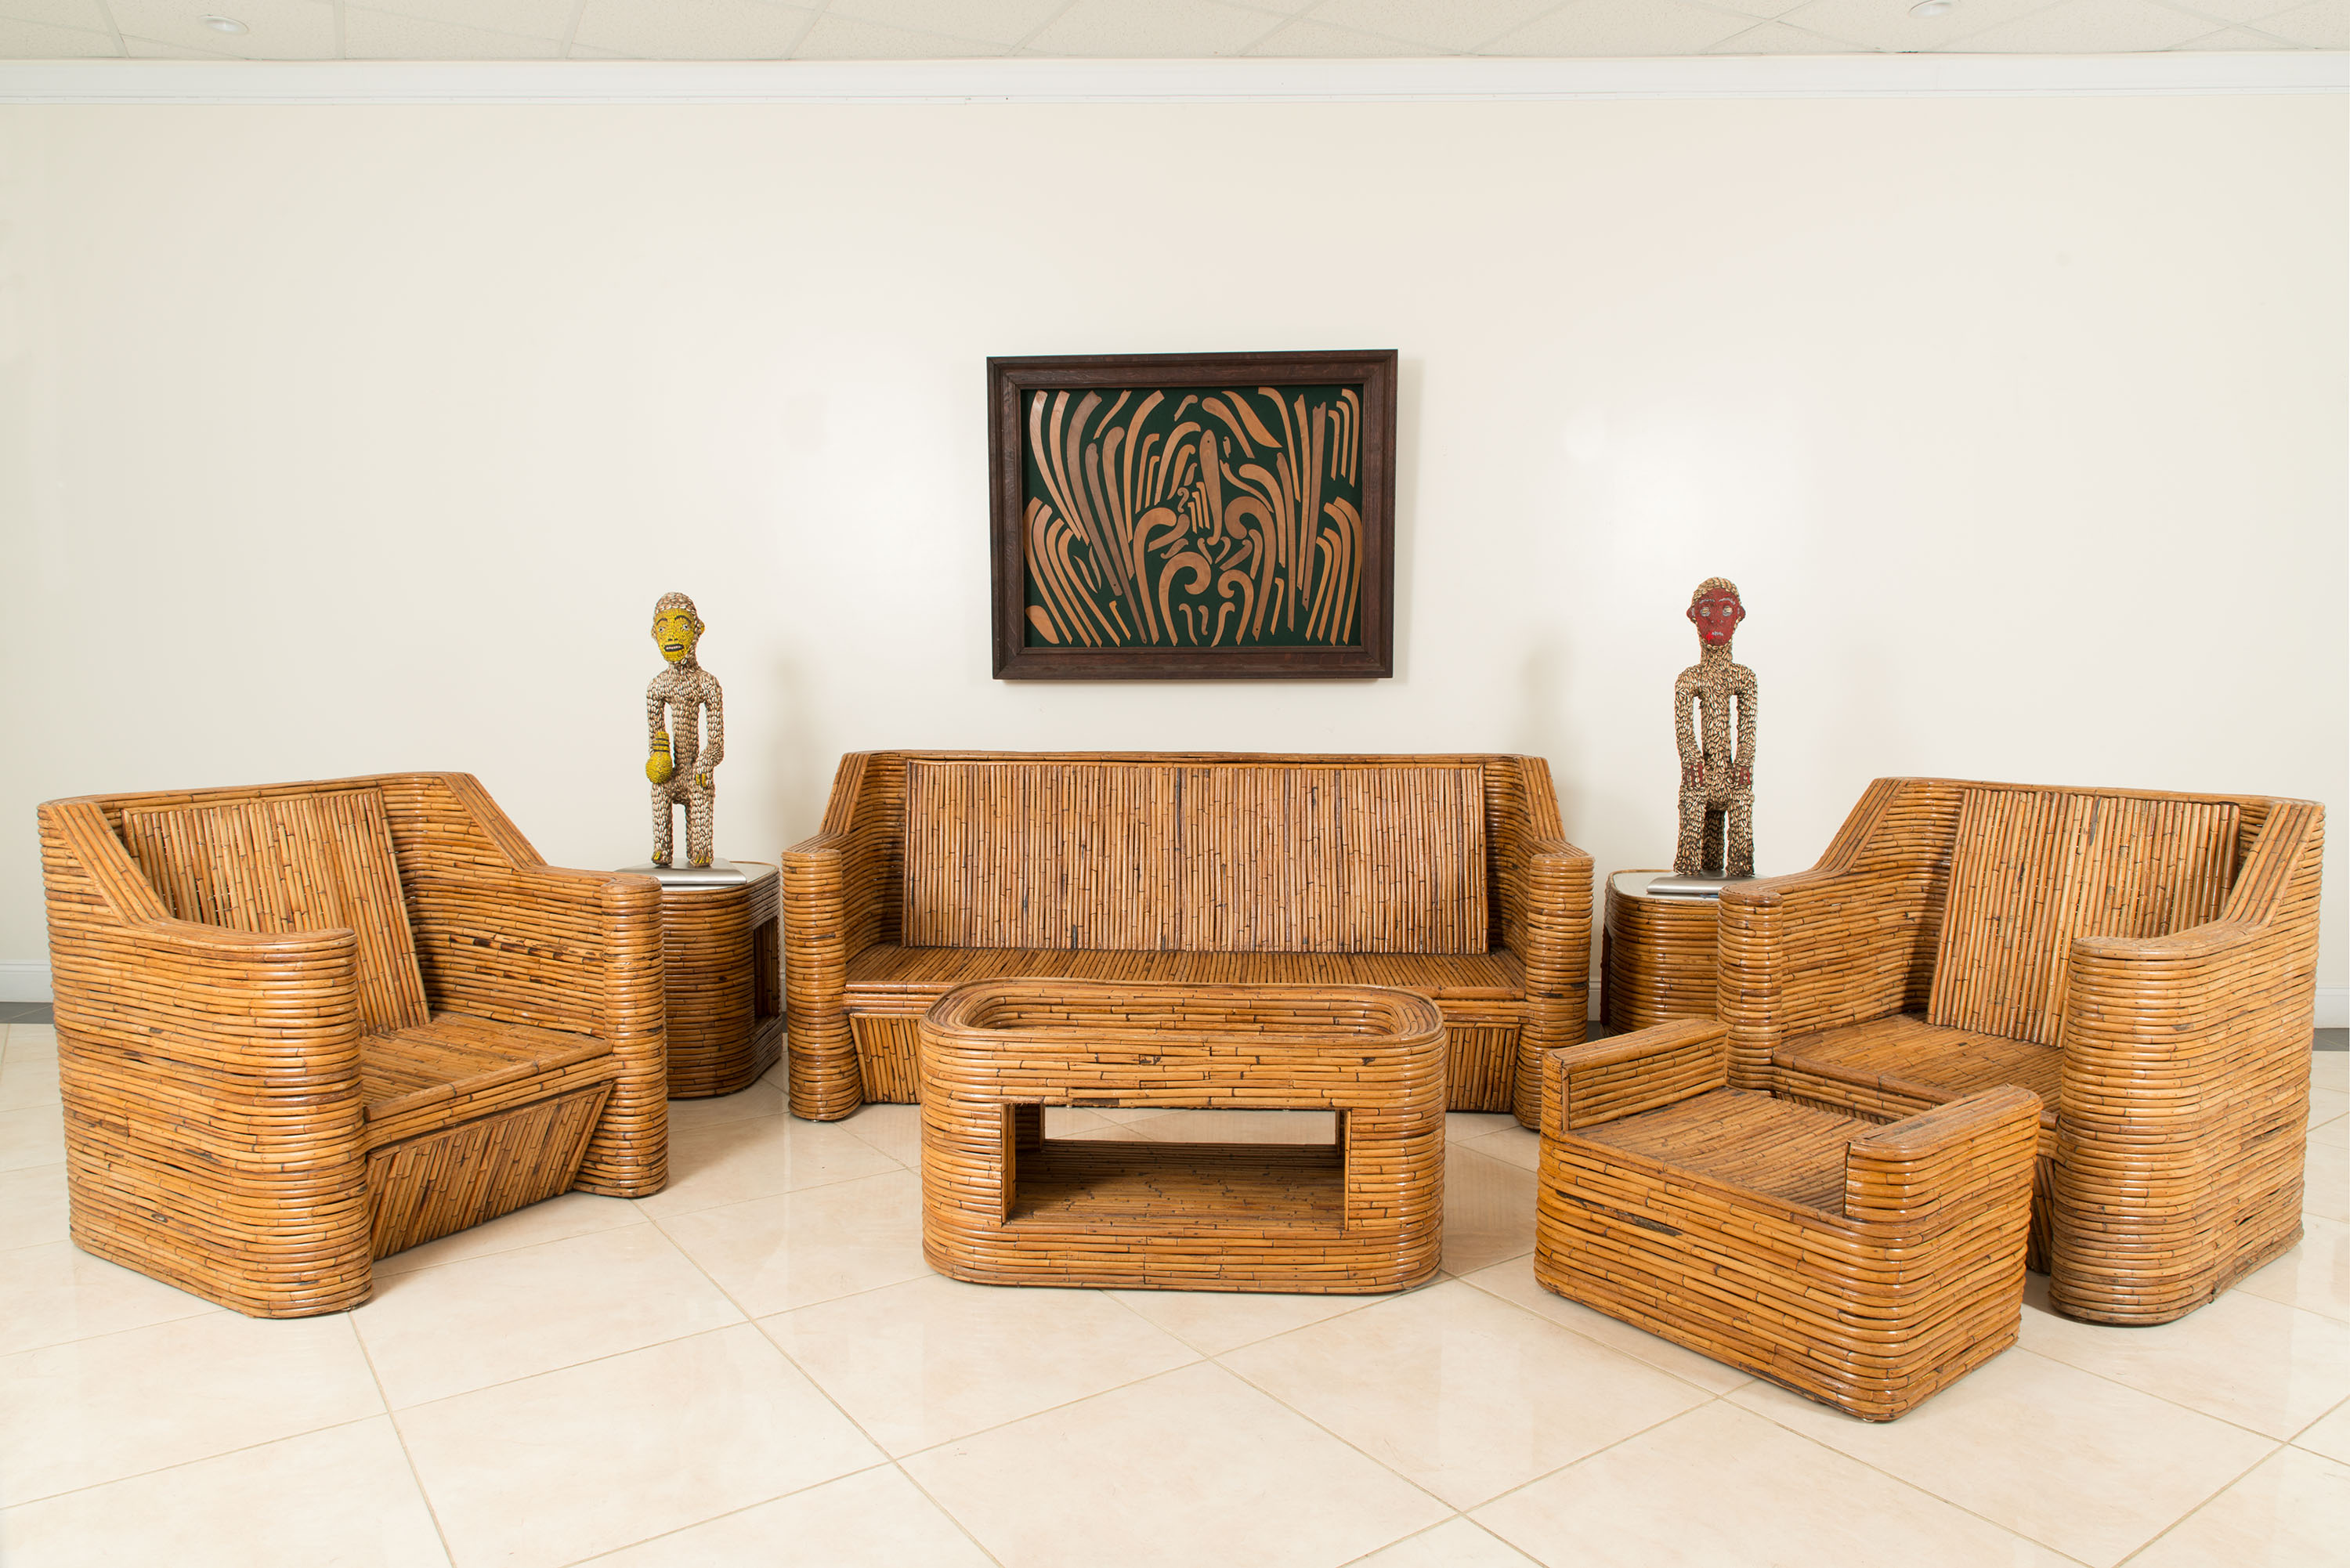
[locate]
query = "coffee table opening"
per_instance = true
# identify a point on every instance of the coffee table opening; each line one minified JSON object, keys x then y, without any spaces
{"x":1160,"y":1184}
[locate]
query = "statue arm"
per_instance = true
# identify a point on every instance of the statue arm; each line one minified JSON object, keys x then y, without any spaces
{"x":1745,"y":775}
{"x":1684,"y":736}
{"x":659,"y":764}
{"x":713,"y":746}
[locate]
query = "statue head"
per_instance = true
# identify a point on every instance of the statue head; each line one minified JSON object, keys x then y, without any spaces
{"x":1715,"y":611}
{"x":676,"y":628}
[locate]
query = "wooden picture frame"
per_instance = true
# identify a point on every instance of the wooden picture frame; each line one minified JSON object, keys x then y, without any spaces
{"x":1165,"y":501}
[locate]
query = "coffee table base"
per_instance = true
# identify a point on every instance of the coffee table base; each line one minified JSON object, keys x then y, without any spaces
{"x":1003,"y":1205}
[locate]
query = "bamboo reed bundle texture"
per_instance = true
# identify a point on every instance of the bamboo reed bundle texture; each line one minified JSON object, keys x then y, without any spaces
{"x":720,"y":949}
{"x":1003,"y":1205}
{"x":2145,"y":962}
{"x":301,"y":1026}
{"x":1657,"y":958}
{"x":1447,"y":876}
{"x":1861,"y":1264}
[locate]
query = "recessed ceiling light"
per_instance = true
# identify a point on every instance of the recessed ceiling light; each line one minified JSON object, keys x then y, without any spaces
{"x":1933,"y":7}
{"x":231,"y":25}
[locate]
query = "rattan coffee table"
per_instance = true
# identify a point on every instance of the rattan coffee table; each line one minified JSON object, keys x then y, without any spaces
{"x":1001,"y":1204}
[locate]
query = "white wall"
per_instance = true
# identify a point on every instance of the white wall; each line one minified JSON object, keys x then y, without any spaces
{"x":344,"y":439}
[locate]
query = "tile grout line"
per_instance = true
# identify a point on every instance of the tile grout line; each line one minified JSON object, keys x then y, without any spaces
{"x":2224,"y":1488}
{"x":201,"y":1459}
{"x":2021,"y":1535}
{"x":822,"y":1392}
{"x":400,"y":1436}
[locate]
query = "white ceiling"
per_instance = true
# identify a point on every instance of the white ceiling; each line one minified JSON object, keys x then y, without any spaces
{"x":1167,"y":29}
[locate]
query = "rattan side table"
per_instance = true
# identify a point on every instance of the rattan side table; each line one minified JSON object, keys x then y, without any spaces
{"x":1003,"y":1205}
{"x":1657,"y":960}
{"x":721,"y":951}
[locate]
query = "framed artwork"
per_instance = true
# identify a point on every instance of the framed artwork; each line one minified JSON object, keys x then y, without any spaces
{"x":1193,"y":516}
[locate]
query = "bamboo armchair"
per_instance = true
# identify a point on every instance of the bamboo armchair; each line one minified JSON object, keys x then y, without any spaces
{"x":2143,"y":962}
{"x":1445,"y":875}
{"x":1862,"y":1264}
{"x":302,"y":1026}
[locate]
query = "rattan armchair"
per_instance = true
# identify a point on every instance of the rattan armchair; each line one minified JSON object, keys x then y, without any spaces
{"x":302,"y":1026}
{"x":2143,"y":962}
{"x":1860,"y":1264}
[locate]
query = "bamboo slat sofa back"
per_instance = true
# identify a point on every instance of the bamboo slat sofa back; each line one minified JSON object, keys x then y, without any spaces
{"x":2145,"y":963}
{"x":1442,"y":875}
{"x":302,"y":1026}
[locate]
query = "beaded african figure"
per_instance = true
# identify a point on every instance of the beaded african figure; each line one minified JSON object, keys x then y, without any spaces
{"x":680,"y":766}
{"x":1717,"y":801}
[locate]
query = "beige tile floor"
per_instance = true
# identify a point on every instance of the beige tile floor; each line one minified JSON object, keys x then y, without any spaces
{"x":757,"y":1367}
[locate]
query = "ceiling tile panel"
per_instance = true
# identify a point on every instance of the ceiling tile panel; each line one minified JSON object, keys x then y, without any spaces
{"x":1779,"y":38}
{"x":2228,"y":39}
{"x":692,"y":29}
{"x":839,"y":38}
{"x":526,"y":18}
{"x":1760,"y":10}
{"x":1604,"y":29}
{"x":1455,"y":27}
{"x":1311,"y":40}
{"x":987,"y":21}
{"x":39,"y":41}
{"x":2325,"y":26}
{"x":1885,"y":24}
{"x":2079,"y":26}
{"x":279,"y":29}
{"x":2233,"y":10}
{"x":82,"y":15}
{"x":382,"y":36}
{"x":1161,"y":29}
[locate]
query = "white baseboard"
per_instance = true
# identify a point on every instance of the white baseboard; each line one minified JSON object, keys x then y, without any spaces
{"x":24,"y":979}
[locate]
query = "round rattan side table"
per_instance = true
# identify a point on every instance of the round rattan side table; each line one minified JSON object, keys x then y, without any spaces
{"x":1657,"y":960}
{"x":722,"y":957}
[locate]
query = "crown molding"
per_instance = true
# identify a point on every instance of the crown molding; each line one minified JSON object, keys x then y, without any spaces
{"x":1030,"y":80}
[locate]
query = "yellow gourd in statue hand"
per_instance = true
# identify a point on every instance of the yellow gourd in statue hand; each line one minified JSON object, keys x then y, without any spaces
{"x":660,"y":768}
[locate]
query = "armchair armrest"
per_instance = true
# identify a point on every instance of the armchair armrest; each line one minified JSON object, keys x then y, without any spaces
{"x":1606,"y":1080}
{"x":502,"y":935}
{"x":2185,"y":1090}
{"x":835,"y":889}
{"x":1949,"y":1168}
{"x":1544,"y":888}
{"x":1845,"y":943}
{"x":210,"y":1080}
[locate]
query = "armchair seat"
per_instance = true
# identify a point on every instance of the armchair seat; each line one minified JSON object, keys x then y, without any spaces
{"x":1780,"y":1147}
{"x":1905,"y":1064}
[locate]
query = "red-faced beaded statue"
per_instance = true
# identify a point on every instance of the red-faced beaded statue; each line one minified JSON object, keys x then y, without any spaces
{"x":1717,"y":778}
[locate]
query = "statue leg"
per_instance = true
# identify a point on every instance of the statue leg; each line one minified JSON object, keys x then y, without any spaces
{"x":662,"y":854}
{"x":1741,"y":861}
{"x":698,"y":825}
{"x":1688,"y":853}
{"x":1715,"y":819}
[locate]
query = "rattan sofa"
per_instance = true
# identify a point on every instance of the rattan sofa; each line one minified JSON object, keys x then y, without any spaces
{"x":1863,"y":1264}
{"x":302,"y":1026}
{"x":1447,"y":876}
{"x":2145,"y":963}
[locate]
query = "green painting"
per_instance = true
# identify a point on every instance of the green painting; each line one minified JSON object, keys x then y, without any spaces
{"x":1193,"y":517}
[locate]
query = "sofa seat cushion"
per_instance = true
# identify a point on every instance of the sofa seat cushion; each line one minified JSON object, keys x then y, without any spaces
{"x":1789,"y":1151}
{"x":457,"y":1069}
{"x":1912,"y":1064}
{"x":890,"y":979}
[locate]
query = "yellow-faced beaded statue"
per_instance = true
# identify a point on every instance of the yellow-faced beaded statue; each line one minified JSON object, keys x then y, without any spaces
{"x":681,"y":767}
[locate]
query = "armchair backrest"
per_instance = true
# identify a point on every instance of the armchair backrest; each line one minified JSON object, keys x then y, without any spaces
{"x":290,"y":863}
{"x":2031,"y":869}
{"x":1143,"y":853}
